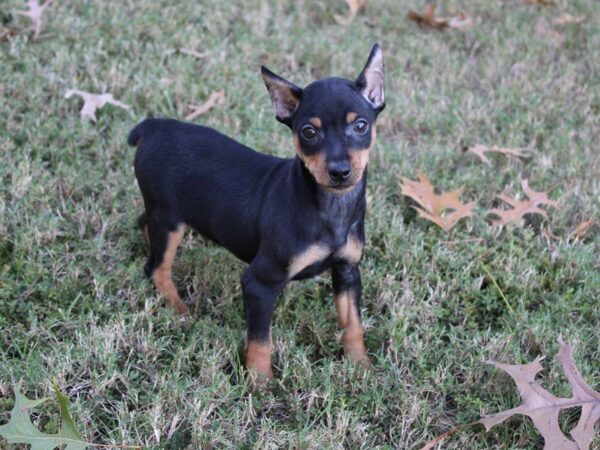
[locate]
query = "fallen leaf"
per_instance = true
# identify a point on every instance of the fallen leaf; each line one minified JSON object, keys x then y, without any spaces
{"x":434,"y":205}
{"x":522,"y":207}
{"x":20,"y":429}
{"x":92,"y":102}
{"x":214,"y":99}
{"x":480,"y":150}
{"x":543,"y":30}
{"x":582,"y":229}
{"x":35,"y":13}
{"x":427,"y":19}
{"x":569,"y":19}
{"x":541,"y":2}
{"x":355,"y":6}
{"x":459,"y":21}
{"x":543,"y":407}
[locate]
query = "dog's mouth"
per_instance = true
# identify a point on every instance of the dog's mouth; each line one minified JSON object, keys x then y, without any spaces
{"x":339,"y":188}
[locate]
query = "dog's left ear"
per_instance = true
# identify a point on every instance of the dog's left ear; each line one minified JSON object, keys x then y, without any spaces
{"x":284,"y":95}
{"x":370,"y":81}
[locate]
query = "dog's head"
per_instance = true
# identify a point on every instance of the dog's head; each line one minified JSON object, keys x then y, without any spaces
{"x":333,"y":121}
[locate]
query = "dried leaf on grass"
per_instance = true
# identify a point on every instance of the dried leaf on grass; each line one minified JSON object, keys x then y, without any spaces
{"x":480,"y":150}
{"x":433,"y":205}
{"x":567,"y":19}
{"x":541,"y":2}
{"x":214,"y":99}
{"x":459,"y":21}
{"x":35,"y":13}
{"x":543,"y":407}
{"x":582,"y":229}
{"x":522,"y":207}
{"x":92,"y":102}
{"x":355,"y":6}
{"x":20,"y":429}
{"x":543,"y":30}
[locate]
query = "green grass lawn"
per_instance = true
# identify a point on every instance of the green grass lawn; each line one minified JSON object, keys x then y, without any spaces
{"x":75,"y":305}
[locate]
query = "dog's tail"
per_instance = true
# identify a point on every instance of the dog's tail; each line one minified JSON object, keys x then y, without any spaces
{"x":137,"y":132}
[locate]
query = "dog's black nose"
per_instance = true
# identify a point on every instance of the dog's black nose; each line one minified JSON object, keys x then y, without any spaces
{"x":339,"y":171}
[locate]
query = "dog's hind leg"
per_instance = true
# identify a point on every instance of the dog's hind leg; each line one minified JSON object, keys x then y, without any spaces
{"x":164,"y":241}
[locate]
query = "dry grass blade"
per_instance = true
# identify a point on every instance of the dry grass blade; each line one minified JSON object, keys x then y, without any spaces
{"x":567,"y":19}
{"x":93,"y":102}
{"x":522,"y":207}
{"x":355,"y":6}
{"x":433,"y":205}
{"x":479,"y":150}
{"x":543,"y":407}
{"x":35,"y":13}
{"x":214,"y":99}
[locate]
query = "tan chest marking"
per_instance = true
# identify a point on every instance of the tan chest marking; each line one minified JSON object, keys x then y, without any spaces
{"x":313,"y":254}
{"x":352,"y":250}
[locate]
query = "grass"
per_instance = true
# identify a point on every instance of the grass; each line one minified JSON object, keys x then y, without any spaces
{"x":76,"y":307}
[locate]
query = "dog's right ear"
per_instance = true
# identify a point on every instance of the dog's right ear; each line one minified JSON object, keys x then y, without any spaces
{"x":284,"y":95}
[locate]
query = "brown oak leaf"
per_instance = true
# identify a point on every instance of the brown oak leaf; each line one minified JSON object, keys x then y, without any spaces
{"x":214,"y":99}
{"x":35,"y":13}
{"x":355,"y":6}
{"x":480,"y":150}
{"x":92,"y":102}
{"x":522,"y":207}
{"x":433,"y":205}
{"x":582,"y":229}
{"x":541,"y":2}
{"x":460,"y":21}
{"x":543,"y":407}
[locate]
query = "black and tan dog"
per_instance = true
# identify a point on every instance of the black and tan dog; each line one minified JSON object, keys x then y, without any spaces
{"x":290,"y":219}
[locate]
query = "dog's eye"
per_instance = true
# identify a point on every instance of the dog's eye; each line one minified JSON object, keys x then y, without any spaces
{"x":360,"y":126}
{"x":308,"y":132}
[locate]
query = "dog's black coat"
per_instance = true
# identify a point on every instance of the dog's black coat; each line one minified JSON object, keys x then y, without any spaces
{"x":265,"y":210}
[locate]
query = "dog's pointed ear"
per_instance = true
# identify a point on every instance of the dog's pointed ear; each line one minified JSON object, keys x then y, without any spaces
{"x":284,"y":95}
{"x":370,"y":81}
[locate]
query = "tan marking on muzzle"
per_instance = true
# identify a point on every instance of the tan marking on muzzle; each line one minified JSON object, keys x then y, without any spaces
{"x":359,"y":158}
{"x":315,"y":164}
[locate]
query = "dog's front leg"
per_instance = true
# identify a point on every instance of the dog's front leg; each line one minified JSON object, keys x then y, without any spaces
{"x":260,"y":287}
{"x":347,"y":289}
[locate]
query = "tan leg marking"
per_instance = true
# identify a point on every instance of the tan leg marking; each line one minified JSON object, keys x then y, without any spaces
{"x":351,"y":117}
{"x":258,"y":362}
{"x":162,"y":276}
{"x":311,"y":255}
{"x":351,"y":252}
{"x":353,"y":337}
{"x":315,"y":164}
